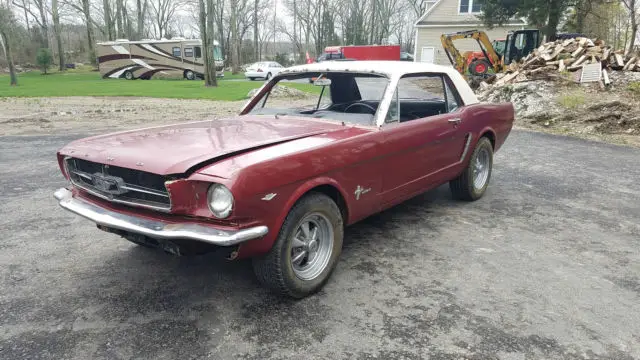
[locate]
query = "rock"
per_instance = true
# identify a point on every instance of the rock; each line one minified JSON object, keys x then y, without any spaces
{"x":530,"y":99}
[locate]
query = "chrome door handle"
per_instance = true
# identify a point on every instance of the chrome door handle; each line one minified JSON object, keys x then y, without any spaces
{"x":455,"y":121}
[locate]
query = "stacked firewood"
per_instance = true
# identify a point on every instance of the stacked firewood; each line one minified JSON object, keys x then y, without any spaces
{"x":571,"y":55}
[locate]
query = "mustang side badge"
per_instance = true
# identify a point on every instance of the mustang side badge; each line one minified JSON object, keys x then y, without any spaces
{"x":361,"y":191}
{"x":268,"y":197}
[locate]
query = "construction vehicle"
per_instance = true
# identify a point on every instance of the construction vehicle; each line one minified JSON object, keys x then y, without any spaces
{"x":493,"y":57}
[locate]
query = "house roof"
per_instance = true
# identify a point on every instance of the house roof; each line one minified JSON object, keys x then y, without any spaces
{"x":464,"y":22}
{"x":456,"y":21}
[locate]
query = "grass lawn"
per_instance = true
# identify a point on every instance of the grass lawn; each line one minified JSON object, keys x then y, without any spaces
{"x":89,"y":83}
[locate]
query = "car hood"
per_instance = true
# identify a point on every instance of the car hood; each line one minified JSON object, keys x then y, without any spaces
{"x":176,"y":149}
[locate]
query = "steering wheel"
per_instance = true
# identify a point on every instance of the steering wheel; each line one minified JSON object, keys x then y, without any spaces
{"x":367,"y":106}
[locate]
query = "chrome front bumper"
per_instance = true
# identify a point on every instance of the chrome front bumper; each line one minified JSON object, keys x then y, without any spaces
{"x":154,"y":228}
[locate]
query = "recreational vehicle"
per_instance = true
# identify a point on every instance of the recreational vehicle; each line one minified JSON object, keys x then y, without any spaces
{"x":143,"y":59}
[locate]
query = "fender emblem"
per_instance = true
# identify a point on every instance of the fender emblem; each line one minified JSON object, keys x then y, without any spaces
{"x":269,"y":197}
{"x":361,"y":191}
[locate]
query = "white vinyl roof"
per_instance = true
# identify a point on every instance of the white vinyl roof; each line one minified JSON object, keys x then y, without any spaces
{"x":391,"y":69}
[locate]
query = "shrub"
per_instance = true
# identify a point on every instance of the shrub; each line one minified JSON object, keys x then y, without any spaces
{"x":634,"y":87}
{"x":572,"y":100}
{"x":44,"y":59}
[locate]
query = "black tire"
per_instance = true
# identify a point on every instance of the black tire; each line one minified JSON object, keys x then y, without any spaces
{"x":189,"y":75}
{"x":479,"y":67}
{"x":252,"y":78}
{"x":128,"y":75}
{"x":268,"y":76}
{"x":463,"y":187}
{"x":275,"y":270}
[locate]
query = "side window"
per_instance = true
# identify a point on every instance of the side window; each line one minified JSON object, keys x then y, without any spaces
{"x":176,"y":51}
{"x":421,"y":87}
{"x":198,"y":51}
{"x":420,"y":96}
{"x":452,"y":101}
{"x":393,"y":114}
{"x":188,"y":52}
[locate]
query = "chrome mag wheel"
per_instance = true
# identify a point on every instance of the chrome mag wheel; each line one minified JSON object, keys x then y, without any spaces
{"x":481,"y":168}
{"x":312,"y":246}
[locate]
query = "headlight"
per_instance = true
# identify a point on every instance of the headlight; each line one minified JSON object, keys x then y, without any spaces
{"x":220,"y":201}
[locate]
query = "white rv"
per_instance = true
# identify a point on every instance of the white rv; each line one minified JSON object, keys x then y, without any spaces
{"x":145,"y":58}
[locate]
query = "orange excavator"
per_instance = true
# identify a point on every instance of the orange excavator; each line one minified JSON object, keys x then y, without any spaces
{"x":493,"y":57}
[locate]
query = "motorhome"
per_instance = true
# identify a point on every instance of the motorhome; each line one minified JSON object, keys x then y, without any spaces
{"x":143,"y":59}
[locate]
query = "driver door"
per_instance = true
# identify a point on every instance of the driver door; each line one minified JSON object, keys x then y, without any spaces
{"x":422,"y":136}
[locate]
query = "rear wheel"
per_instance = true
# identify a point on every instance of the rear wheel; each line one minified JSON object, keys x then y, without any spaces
{"x":479,"y":67}
{"x":190,"y":75}
{"x":252,"y":78}
{"x":306,"y":250}
{"x":474,"y":180}
{"x":128,"y":75}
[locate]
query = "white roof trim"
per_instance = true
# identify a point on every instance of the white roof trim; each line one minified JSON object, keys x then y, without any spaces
{"x":479,"y":25}
{"x":436,"y":3}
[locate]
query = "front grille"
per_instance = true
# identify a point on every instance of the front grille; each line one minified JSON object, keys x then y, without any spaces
{"x":117,"y":184}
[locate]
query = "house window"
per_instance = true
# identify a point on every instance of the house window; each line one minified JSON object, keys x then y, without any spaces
{"x":176,"y":51}
{"x":470,"y":6}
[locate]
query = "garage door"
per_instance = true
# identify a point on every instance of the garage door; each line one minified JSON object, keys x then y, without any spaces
{"x":428,"y":54}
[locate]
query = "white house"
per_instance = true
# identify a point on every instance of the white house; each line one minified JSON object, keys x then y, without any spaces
{"x":448,"y":16}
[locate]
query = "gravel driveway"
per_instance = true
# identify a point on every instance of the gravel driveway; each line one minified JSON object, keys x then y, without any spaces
{"x":545,"y":266}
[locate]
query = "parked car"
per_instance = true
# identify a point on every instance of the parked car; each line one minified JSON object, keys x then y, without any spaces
{"x":263,"y":70}
{"x":405,"y":56}
{"x":278,"y":183}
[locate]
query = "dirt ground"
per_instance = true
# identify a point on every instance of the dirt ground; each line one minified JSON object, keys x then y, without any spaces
{"x":77,"y":115}
{"x":570,"y":110}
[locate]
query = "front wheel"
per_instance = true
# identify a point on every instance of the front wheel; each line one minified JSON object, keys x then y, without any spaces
{"x":306,"y":250}
{"x":190,"y":75}
{"x":128,"y":75}
{"x":474,"y":180}
{"x":268,"y":76}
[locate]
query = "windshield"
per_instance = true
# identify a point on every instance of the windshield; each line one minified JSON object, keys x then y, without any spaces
{"x":352,"y":98}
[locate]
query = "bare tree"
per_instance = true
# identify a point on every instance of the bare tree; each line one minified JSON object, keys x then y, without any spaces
{"x":108,"y":20}
{"x":86,"y":10}
{"x":233,"y":24}
{"x":40,"y":18}
{"x":256,"y":50}
{"x":141,"y":10}
{"x":57,"y":32}
{"x":632,"y":7}
{"x":7,"y":25}
{"x":163,"y":12}
{"x":206,"y":34}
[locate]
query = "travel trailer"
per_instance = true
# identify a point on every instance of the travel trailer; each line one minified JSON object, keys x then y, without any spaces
{"x":143,"y":59}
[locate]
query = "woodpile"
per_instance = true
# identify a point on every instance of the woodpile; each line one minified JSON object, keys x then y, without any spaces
{"x":554,"y":59}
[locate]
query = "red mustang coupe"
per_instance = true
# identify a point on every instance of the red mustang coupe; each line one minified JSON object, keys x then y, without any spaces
{"x":279,"y":182}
